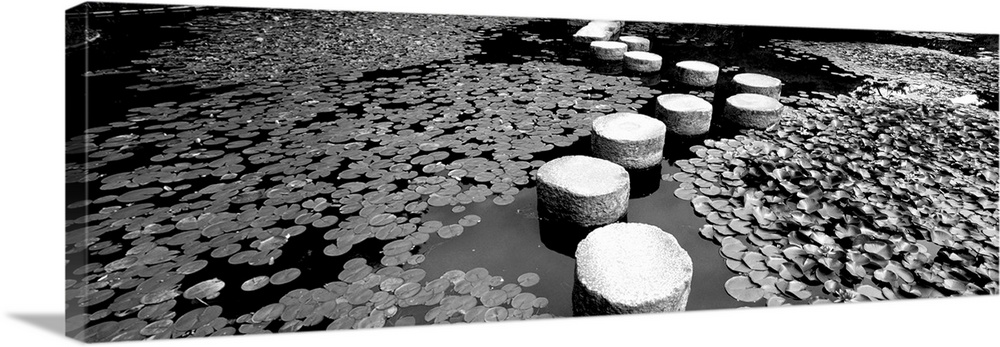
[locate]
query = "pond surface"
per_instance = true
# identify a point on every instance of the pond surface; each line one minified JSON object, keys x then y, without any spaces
{"x":210,"y":195}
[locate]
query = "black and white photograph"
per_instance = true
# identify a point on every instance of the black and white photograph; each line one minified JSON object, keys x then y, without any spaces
{"x":273,"y":170}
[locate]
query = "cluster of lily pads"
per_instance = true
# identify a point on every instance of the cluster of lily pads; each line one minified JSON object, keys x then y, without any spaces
{"x":849,"y":201}
{"x":247,"y":182}
{"x":935,"y":36}
{"x":250,"y":45}
{"x":934,"y":72}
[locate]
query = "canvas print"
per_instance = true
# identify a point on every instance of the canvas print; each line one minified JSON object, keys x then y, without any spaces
{"x":235,"y":171}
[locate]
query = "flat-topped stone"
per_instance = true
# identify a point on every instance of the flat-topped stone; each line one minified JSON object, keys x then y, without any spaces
{"x":631,"y":140}
{"x":684,"y":114}
{"x":608,"y":50}
{"x":748,"y":110}
{"x":583,"y":191}
{"x":643,"y":61}
{"x":635,"y":43}
{"x":627,"y":268}
{"x":757,"y":84}
{"x":697,"y":73}
{"x":597,"y":30}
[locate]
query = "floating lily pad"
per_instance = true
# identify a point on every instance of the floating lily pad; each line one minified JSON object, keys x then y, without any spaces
{"x":268,"y":313}
{"x":528,"y":279}
{"x":255,"y":283}
{"x":285,"y":276}
{"x":742,"y":289}
{"x":450,"y":231}
{"x":495,"y":314}
{"x":685,"y":194}
{"x":469,"y":220}
{"x":204,"y":289}
{"x":733,"y":248}
{"x":503,"y":200}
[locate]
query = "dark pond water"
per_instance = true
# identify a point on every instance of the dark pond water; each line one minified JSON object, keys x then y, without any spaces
{"x":508,"y":242}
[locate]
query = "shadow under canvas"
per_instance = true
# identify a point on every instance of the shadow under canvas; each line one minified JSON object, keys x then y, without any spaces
{"x":52,"y":322}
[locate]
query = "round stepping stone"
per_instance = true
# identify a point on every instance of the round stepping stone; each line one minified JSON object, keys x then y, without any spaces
{"x":631,"y":140}
{"x":697,"y":73}
{"x":608,"y":50}
{"x":582,"y":191}
{"x":635,"y":43}
{"x":626,"y":268}
{"x":684,"y":114}
{"x":752,"y":110}
{"x":643,"y":61}
{"x":757,"y":84}
{"x":597,"y":30}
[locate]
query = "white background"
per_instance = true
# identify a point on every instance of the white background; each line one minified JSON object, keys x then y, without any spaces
{"x":33,"y":203}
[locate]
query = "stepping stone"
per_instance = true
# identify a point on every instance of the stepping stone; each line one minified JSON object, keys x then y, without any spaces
{"x":582,"y":191}
{"x":684,"y":114}
{"x":608,"y":50}
{"x":631,"y":140}
{"x":752,"y":111}
{"x":626,"y":268}
{"x":597,"y":31}
{"x":697,"y":73}
{"x":757,"y":84}
{"x":635,"y":43}
{"x":643,"y":61}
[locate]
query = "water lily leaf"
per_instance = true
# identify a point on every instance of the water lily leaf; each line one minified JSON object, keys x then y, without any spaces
{"x":717,"y":219}
{"x":702,"y":208}
{"x":255,"y":283}
{"x":285,"y":276}
{"x":737,"y":266}
{"x":268,"y":313}
{"x":744,"y":213}
{"x":755,"y":261}
{"x":469,"y":220}
{"x":494,"y":298}
{"x":763,"y":215}
{"x":739,"y":226}
{"x":775,"y":301}
{"x":733,"y":248}
{"x":397,"y":247}
{"x":450,"y":231}
{"x":829,"y":211}
{"x":685,"y":194}
{"x":870,"y":292}
{"x":742,"y":289}
{"x":495,"y":314}
{"x":808,"y":205}
{"x":522,"y":301}
{"x":503,"y":200}
{"x":877,"y":248}
{"x":900,"y":271}
{"x":381,"y":219}
{"x":528,"y":279}
{"x":204,"y":289}
{"x":707,"y":232}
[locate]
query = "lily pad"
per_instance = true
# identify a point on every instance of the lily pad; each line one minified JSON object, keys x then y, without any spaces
{"x":528,"y":279}
{"x":495,"y":314}
{"x":204,"y":289}
{"x":450,"y":231}
{"x":285,"y":276}
{"x":742,"y":289}
{"x":255,"y":283}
